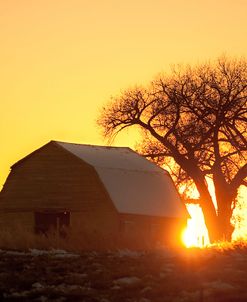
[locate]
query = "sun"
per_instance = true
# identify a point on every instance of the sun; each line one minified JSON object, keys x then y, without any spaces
{"x":196,"y":233}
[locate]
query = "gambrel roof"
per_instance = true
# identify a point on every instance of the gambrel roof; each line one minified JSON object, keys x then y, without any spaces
{"x":134,"y":184}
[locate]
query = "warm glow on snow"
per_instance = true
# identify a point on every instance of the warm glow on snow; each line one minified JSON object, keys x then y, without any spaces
{"x":196,"y":233}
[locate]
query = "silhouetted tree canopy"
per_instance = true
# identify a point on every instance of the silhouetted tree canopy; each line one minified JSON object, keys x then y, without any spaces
{"x":196,"y":116}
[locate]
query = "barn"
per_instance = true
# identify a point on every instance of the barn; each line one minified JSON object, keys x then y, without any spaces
{"x":98,"y":191}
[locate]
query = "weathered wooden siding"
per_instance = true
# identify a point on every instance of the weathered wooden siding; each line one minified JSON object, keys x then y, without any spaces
{"x":13,"y":221}
{"x":96,"y":226}
{"x":164,"y":230}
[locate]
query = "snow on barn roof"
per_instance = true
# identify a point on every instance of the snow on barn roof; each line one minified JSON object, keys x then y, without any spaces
{"x":135,"y":185}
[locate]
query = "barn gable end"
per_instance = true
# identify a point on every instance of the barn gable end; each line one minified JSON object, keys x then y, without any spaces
{"x":52,"y":177}
{"x":50,"y":180}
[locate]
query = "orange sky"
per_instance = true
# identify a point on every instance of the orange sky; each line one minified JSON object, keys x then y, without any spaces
{"x":60,"y":60}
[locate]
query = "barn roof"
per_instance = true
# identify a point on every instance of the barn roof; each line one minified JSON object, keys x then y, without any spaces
{"x":111,"y":157}
{"x":135,"y":185}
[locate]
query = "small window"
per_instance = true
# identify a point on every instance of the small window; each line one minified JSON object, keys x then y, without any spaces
{"x":46,"y":222}
{"x":126,"y":226}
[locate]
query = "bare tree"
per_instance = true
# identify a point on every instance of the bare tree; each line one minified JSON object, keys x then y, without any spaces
{"x":198,"y":117}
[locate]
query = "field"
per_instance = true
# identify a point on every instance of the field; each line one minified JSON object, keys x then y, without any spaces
{"x":215,"y":274}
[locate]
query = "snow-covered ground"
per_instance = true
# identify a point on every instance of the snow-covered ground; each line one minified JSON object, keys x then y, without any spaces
{"x":165,"y":275}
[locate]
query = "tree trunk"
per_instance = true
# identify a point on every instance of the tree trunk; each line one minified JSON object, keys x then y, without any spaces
{"x":224,"y":199}
{"x":224,"y":220}
{"x":218,"y":221}
{"x":219,"y":225}
{"x":210,"y":217}
{"x":208,"y":209}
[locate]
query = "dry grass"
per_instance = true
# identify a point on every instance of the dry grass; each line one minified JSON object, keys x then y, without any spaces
{"x":22,"y":239}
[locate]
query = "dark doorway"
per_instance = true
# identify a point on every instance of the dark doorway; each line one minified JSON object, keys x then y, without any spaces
{"x":46,"y":222}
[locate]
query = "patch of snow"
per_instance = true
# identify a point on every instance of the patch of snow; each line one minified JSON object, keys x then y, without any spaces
{"x":42,"y":299}
{"x":167,"y":253}
{"x":167,"y":270}
{"x":68,"y":255}
{"x":22,"y":294}
{"x":79,"y":275}
{"x":163,"y":275}
{"x":127,"y":281}
{"x":104,"y":300}
{"x":97,"y":265}
{"x":146,"y":290}
{"x":129,"y":253}
{"x":144,"y":300}
{"x":193,"y":295}
{"x":37,"y":285}
{"x":15,"y":253}
{"x":116,"y":287}
{"x":36,"y":252}
{"x":239,"y":257}
{"x":218,"y":284}
{"x":54,"y":252}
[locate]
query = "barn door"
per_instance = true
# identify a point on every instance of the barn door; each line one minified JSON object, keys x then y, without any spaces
{"x":46,"y":222}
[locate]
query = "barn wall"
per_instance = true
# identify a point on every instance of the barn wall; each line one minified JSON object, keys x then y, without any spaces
{"x":22,"y":221}
{"x":51,"y":178}
{"x":87,"y":231}
{"x":152,"y":230}
{"x":95,"y":230}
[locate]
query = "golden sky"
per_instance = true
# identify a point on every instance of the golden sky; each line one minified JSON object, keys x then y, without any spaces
{"x":61,"y":60}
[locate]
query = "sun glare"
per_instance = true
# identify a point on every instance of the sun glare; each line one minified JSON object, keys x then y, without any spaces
{"x":196,"y":233}
{"x":239,"y":217}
